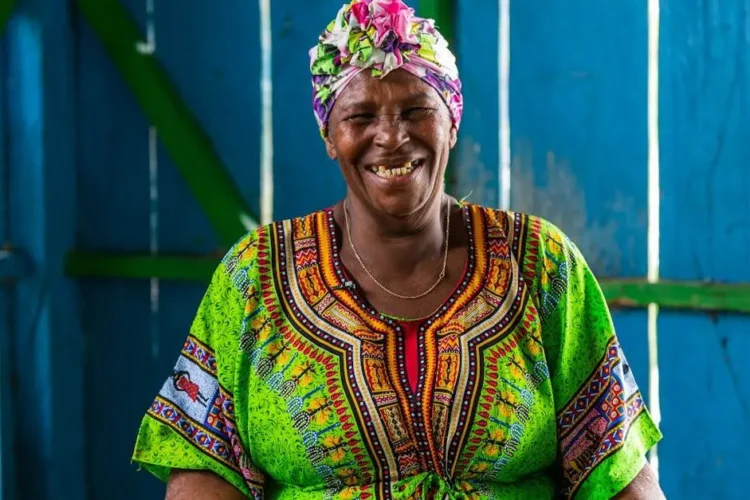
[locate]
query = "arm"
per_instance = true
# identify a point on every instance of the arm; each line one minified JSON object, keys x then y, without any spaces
{"x":200,"y":485}
{"x":645,"y":486}
{"x":604,"y":427}
{"x":193,"y":423}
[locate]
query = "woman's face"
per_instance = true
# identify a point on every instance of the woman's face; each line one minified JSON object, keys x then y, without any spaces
{"x":392,"y":138}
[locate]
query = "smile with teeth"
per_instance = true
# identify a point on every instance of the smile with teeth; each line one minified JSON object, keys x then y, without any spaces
{"x":391,"y":172}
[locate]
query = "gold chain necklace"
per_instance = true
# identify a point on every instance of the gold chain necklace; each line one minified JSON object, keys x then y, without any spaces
{"x":406,"y":297}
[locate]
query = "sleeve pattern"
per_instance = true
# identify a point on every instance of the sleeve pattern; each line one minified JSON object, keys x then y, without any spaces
{"x":595,"y":422}
{"x":196,"y":402}
{"x":195,"y":405}
{"x":597,"y":399}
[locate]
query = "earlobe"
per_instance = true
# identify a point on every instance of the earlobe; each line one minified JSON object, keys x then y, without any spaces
{"x":330,"y":148}
{"x":454,"y":137}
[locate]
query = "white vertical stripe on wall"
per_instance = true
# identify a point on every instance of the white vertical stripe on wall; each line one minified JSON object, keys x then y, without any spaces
{"x":504,"y":177}
{"x":153,"y":176}
{"x":653,"y":212}
{"x":266,"y":89}
{"x":148,"y":48}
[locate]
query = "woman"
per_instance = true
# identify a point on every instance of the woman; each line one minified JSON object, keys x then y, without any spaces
{"x":400,"y":344}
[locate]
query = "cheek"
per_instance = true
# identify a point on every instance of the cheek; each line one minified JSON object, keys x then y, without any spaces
{"x":437,"y":136}
{"x":346,"y":149}
{"x":349,"y":146}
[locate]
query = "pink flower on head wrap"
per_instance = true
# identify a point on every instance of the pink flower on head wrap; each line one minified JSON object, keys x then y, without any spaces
{"x":392,"y":16}
{"x":361,"y":12}
{"x":381,"y":35}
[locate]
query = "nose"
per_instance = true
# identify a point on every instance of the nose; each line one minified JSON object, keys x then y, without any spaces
{"x":390,"y":132}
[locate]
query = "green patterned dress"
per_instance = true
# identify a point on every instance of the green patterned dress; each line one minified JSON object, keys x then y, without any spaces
{"x":291,"y":386}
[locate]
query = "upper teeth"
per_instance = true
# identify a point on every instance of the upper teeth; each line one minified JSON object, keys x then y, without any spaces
{"x":385,"y":172}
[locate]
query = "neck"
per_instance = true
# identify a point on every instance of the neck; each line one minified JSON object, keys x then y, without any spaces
{"x":397,"y":242}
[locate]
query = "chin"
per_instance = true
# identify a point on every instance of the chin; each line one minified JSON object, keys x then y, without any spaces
{"x":402,"y":205}
{"x":400,"y":210}
{"x":402,"y":197}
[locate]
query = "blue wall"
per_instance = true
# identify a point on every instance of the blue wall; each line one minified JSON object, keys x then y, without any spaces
{"x":42,"y":344}
{"x":82,"y":360}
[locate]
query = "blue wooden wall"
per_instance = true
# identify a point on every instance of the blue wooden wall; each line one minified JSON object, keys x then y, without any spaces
{"x":705,"y":137}
{"x":43,"y":349}
{"x":87,"y":358}
{"x":578,"y":117}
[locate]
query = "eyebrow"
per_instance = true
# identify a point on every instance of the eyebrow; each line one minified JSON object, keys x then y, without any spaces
{"x":354,"y":105}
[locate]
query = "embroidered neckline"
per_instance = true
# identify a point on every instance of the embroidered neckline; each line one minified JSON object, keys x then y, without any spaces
{"x":470,"y":216}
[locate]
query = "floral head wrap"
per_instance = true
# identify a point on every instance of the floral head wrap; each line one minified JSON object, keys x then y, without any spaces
{"x":382,"y":35}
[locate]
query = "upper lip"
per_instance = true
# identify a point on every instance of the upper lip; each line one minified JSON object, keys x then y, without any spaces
{"x":392,"y":162}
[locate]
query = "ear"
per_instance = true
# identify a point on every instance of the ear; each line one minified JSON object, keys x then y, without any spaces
{"x":454,"y":137}
{"x":330,"y":148}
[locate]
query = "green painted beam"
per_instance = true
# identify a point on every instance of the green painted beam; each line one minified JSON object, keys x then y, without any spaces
{"x":6,"y":9}
{"x":180,"y":268}
{"x":442,"y":12}
{"x":701,"y":296}
{"x":620,"y":293}
{"x":180,"y":132}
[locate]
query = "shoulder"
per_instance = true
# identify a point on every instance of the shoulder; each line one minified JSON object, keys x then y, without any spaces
{"x":245,"y":257}
{"x":530,"y":233}
{"x":546,"y":256}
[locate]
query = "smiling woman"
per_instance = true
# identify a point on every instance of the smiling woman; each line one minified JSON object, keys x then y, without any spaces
{"x":399,"y":344}
{"x":391,"y":137}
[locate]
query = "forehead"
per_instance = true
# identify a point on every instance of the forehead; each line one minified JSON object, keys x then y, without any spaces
{"x":396,"y":86}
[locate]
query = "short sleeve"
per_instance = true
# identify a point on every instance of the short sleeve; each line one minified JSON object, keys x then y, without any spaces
{"x":193,"y":423}
{"x":604,"y":428}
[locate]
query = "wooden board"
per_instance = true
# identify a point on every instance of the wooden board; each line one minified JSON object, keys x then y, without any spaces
{"x":213,"y":58}
{"x":475,"y":160}
{"x":705,"y":154}
{"x":579,"y":139}
{"x":7,"y":468}
{"x":113,"y":215}
{"x":46,"y":347}
{"x":305,"y":178}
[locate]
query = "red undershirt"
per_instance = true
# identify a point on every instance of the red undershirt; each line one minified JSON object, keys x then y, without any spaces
{"x":411,"y":352}
{"x":411,"y":338}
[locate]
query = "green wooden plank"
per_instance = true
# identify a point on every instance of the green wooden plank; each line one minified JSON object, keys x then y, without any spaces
{"x":620,"y":293}
{"x":94,"y":265}
{"x":700,"y":296}
{"x":187,"y":144}
{"x":441,"y":11}
{"x":6,"y":9}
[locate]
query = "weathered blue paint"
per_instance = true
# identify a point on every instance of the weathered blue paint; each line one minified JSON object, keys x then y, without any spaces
{"x":46,"y":346}
{"x":705,"y":153}
{"x":476,"y":156}
{"x":306,"y":179}
{"x":216,"y":70}
{"x":12,"y":266}
{"x":579,"y":136}
{"x":212,"y":55}
{"x":578,"y":118}
{"x":7,"y":461}
{"x":113,"y":214}
{"x":578,"y":90}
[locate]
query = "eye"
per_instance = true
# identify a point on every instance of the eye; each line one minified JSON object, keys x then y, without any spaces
{"x":361,"y":118}
{"x":417,"y":113}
